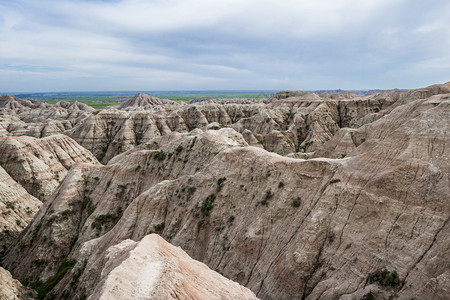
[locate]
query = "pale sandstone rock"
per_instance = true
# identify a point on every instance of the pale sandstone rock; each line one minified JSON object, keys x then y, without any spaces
{"x":10,"y":289}
{"x":154,"y":269}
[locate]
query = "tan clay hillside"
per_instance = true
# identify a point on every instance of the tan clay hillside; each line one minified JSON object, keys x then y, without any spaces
{"x":365,"y":216}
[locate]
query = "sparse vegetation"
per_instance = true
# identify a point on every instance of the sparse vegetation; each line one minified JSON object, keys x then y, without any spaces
{"x":43,"y":288}
{"x":193,"y":142}
{"x":89,"y":205}
{"x":384,"y":278}
{"x":160,"y":155}
{"x":267,"y":196}
{"x":51,"y":219}
{"x":368,"y":296}
{"x":297,"y":202}
{"x":65,"y":214}
{"x":179,"y":149}
{"x":343,"y":155}
{"x":102,"y":220}
{"x":35,"y":232}
{"x":159,"y":227}
{"x":208,"y":204}
{"x":220,"y":183}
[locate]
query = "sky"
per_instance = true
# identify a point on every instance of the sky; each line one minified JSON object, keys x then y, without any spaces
{"x":130,"y":45}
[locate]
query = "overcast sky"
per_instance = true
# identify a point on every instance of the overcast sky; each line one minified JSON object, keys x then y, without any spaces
{"x":75,"y":45}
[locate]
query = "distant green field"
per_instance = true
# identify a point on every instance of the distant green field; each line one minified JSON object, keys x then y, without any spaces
{"x":96,"y":105}
{"x":99,"y":102}
{"x":101,"y":105}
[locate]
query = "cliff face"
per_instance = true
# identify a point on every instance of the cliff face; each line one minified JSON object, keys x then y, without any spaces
{"x":17,"y":207}
{"x":40,"y":164}
{"x":368,"y":214}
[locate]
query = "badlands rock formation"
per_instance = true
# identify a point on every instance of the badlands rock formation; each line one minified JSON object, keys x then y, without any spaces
{"x":142,"y":100}
{"x":10,"y":289}
{"x":358,"y":207}
{"x":17,"y":207}
{"x":39,"y":165}
{"x":154,"y":269}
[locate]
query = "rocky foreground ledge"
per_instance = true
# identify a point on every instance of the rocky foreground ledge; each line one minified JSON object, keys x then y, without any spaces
{"x":154,"y":269}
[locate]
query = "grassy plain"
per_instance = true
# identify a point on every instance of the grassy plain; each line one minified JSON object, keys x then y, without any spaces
{"x":99,"y":102}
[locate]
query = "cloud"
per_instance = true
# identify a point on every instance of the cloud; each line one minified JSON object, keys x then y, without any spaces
{"x":222,"y":44}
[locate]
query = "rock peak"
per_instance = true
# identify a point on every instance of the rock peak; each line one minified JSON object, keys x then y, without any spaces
{"x":142,"y":100}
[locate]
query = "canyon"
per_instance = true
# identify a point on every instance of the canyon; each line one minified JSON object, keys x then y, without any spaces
{"x":297,"y":196}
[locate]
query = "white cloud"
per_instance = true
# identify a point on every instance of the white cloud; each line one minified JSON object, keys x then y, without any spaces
{"x":217,"y":44}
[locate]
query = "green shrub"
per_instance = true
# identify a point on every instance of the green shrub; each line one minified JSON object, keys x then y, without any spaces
{"x":220,"y":183}
{"x":102,"y":220}
{"x":179,"y":149}
{"x":160,"y":155}
{"x":51,"y":219}
{"x":343,"y":155}
{"x":207,"y":204}
{"x":193,"y":142}
{"x":280,"y":184}
{"x":267,"y":196}
{"x":159,"y":227}
{"x":384,"y":278}
{"x":297,"y":202}
{"x":368,"y":296}
{"x":66,"y":213}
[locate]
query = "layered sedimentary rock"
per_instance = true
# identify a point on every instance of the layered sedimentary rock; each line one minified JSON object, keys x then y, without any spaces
{"x":10,"y":102}
{"x":38,"y":119}
{"x":144,"y":101}
{"x":284,"y":126}
{"x":367,"y":216}
{"x":40,"y":164}
{"x":17,"y":207}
